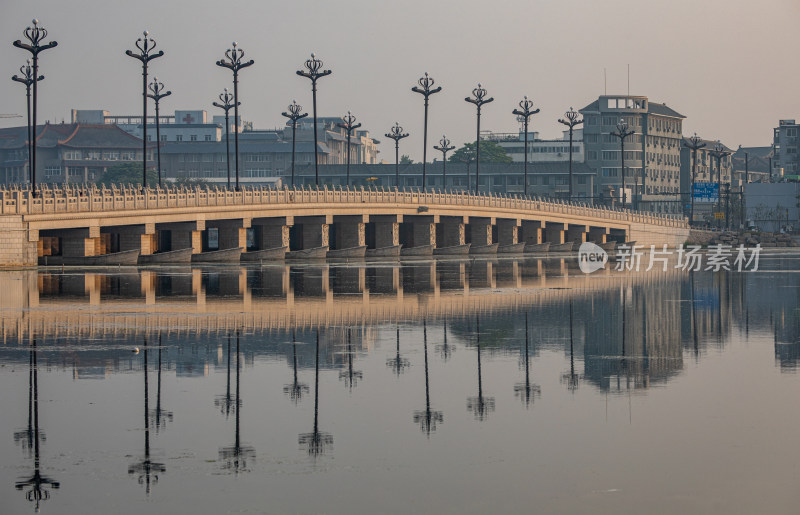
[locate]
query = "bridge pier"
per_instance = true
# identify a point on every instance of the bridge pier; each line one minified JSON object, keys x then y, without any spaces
{"x":310,"y":232}
{"x":555,"y":232}
{"x":383,"y":231}
{"x":132,"y":237}
{"x":451,"y":231}
{"x":598,"y":234}
{"x":349,"y":231}
{"x":532,"y":232}
{"x":479,"y":231}
{"x":81,"y":242}
{"x":231,"y":234}
{"x":270,"y":233}
{"x":418,"y":231}
{"x":577,"y":233}
{"x":507,"y":231}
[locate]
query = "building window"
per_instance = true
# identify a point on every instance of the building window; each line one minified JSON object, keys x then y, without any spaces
{"x":52,"y":171}
{"x":208,"y":137}
{"x":193,"y":137}
{"x":163,"y":138}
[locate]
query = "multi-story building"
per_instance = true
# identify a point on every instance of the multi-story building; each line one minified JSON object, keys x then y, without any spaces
{"x":706,"y":171}
{"x":786,"y":160}
{"x":751,"y":164}
{"x":539,"y":150}
{"x":189,"y":126}
{"x":652,"y":153}
{"x":68,"y":153}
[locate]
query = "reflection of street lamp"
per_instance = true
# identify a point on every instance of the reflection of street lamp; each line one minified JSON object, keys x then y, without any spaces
{"x":527,"y":391}
{"x":160,"y":416}
{"x":427,"y":418}
{"x":147,"y":471}
{"x":478,"y":98}
{"x":156,"y":94}
{"x":446,"y":349}
{"x":295,"y":113}
{"x":146,"y":45}
{"x":350,"y":376}
{"x":444,"y":147}
{"x":296,"y":389}
{"x":233,"y":62}
{"x":227,"y":403}
{"x":425,"y":90}
{"x":398,"y":364}
{"x":35,"y":36}
{"x":235,"y":456}
{"x":226,"y":105}
{"x":316,"y":442}
{"x":28,"y":79}
{"x":694,"y":143}
{"x":480,"y":406}
{"x":524,"y":113}
{"x":396,"y":133}
{"x":571,"y":378}
{"x":570,"y":120}
{"x":623,"y":132}
{"x":349,"y":126}
{"x":314,"y":72}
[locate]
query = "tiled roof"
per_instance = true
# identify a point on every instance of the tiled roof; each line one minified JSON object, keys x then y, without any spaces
{"x":663,"y":110}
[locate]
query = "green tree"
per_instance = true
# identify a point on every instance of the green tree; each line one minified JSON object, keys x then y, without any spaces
{"x":190,"y":181}
{"x":127,"y":173}
{"x":405,"y":159}
{"x":491,"y":152}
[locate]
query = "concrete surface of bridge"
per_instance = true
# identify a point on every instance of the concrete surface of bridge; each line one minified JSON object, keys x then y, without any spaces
{"x":89,"y":221}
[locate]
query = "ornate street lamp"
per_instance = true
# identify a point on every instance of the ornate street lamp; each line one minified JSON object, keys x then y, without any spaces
{"x":524,"y":113}
{"x":694,"y":143}
{"x":156,"y":94}
{"x":295,"y":113}
{"x":718,"y":153}
{"x":314,"y":72}
{"x":424,"y":89}
{"x":349,"y":126}
{"x":27,"y":79}
{"x":479,"y":98}
{"x":35,"y":36}
{"x":226,"y":105}
{"x":233,"y":62}
{"x":570,"y":120}
{"x":622,"y":132}
{"x":146,"y":46}
{"x":444,"y":147}
{"x":396,"y":133}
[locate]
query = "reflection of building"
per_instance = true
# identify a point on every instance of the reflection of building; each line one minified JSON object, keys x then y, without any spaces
{"x":652,"y":154}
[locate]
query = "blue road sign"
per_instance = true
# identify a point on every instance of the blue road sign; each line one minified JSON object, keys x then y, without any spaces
{"x":706,"y":192}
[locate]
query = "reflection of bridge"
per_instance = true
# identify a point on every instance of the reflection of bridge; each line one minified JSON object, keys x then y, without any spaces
{"x":76,"y":222}
{"x":217,"y":300}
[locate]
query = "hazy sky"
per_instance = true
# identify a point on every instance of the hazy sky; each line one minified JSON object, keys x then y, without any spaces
{"x":730,"y":66}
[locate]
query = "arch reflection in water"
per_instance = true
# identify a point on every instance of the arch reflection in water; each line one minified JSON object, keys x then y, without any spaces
{"x":234,"y":457}
{"x":427,"y":418}
{"x":146,"y":470}
{"x":316,"y":442}
{"x":35,"y":486}
{"x":527,"y":391}
{"x":480,"y":406}
{"x":295,"y":390}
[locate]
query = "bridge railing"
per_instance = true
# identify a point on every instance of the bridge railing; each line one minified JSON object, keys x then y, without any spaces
{"x":75,"y":199}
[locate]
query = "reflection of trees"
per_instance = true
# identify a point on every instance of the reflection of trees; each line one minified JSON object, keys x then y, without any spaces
{"x":234,"y":457}
{"x":446,"y":349}
{"x":527,"y":391}
{"x":427,"y":418}
{"x":159,"y":417}
{"x":350,"y":376}
{"x":146,"y":470}
{"x":316,"y":442}
{"x":295,"y":390}
{"x":480,"y":406}
{"x":36,"y":485}
{"x":398,"y":364}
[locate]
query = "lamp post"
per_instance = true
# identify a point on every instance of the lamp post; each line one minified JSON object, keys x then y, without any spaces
{"x":156,"y":94}
{"x":146,"y":46}
{"x":694,"y":143}
{"x":424,"y":89}
{"x":396,"y":133}
{"x":349,"y":126}
{"x":746,"y":181}
{"x":28,"y":79}
{"x":35,"y":36}
{"x":524,"y":113}
{"x":314,"y":72}
{"x":718,"y":152}
{"x":233,"y":62}
{"x":622,"y":133}
{"x":294,"y":115}
{"x":570,"y":120}
{"x":226,"y":106}
{"x":479,"y":99}
{"x":444,"y":147}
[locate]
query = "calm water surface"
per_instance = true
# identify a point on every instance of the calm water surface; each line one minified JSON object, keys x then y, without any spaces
{"x":449,"y":387}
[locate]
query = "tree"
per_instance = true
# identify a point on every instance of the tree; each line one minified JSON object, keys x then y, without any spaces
{"x":190,"y":182}
{"x":126,"y":173}
{"x":405,"y":159}
{"x":491,"y":152}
